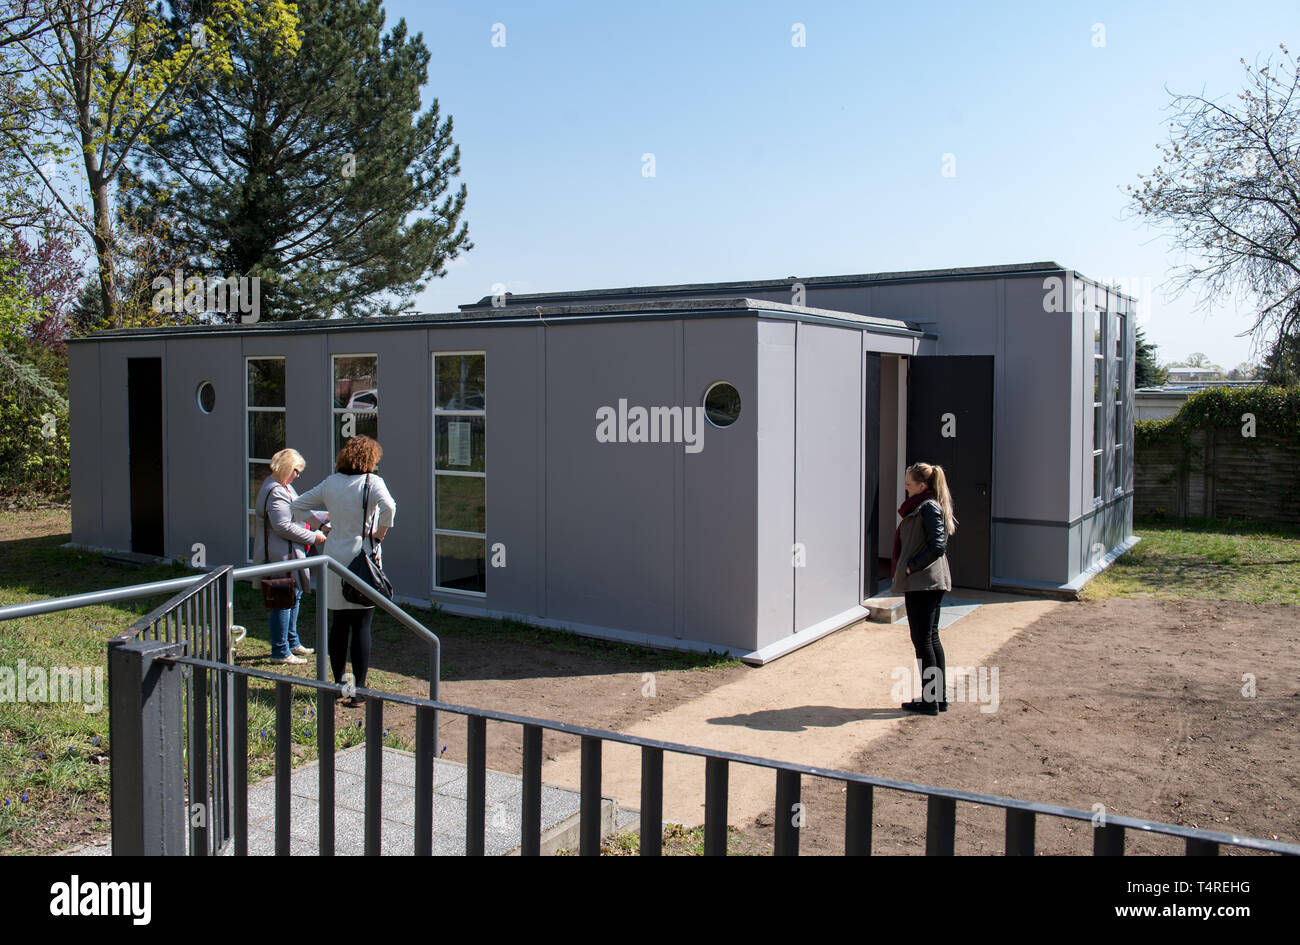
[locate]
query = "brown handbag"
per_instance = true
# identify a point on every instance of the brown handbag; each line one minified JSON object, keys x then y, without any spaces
{"x":278,"y":592}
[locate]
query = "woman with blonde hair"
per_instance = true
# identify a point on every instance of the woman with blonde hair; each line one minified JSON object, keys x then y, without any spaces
{"x":278,"y":538}
{"x":921,"y":575}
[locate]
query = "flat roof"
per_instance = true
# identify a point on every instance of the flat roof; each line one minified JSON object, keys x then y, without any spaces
{"x":516,"y":315}
{"x":846,"y":281}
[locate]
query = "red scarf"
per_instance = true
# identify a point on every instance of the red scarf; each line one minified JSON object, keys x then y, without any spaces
{"x":909,"y":505}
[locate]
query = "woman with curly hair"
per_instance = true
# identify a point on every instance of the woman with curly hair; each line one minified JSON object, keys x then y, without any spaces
{"x":341,"y":494}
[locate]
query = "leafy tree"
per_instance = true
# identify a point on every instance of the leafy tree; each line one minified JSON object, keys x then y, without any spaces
{"x":1147,"y":373}
{"x":52,"y":272}
{"x":33,"y":406}
{"x":98,"y":78}
{"x":317,"y":174}
{"x":1282,"y":363}
{"x":1228,"y":194}
{"x":18,"y":310}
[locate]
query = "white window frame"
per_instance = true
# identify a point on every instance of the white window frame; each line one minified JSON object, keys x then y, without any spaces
{"x":1098,"y":319}
{"x":1119,"y":352}
{"x":433,"y":442}
{"x":249,"y":459}
{"x":336,"y":411}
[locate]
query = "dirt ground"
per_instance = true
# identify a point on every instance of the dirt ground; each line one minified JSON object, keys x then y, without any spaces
{"x":1132,"y":703}
{"x":1135,"y":704}
{"x":583,"y":689}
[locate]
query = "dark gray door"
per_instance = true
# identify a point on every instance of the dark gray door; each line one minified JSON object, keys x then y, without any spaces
{"x":145,"y":453}
{"x":871,"y":501}
{"x":950,"y":422}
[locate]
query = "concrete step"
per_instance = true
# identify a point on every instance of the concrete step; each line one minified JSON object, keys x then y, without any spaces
{"x":885,"y":609}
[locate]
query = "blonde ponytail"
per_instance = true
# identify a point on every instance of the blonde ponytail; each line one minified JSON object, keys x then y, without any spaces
{"x":934,"y":477}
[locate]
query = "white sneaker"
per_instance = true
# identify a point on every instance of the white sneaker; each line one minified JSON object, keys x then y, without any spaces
{"x":303,"y":650}
{"x":290,"y":659}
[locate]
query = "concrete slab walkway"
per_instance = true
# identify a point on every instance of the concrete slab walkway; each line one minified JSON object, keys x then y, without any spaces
{"x":504,"y":802}
{"x":817,"y":706}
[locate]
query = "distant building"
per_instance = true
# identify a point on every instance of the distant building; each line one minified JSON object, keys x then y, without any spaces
{"x":1178,"y":374}
{"x":1158,"y":403}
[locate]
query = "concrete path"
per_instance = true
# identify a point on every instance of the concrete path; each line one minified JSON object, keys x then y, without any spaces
{"x":817,"y":706}
{"x":504,"y":800}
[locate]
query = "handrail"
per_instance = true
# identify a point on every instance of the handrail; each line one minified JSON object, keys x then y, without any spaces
{"x":323,"y":563}
{"x":954,"y":794}
{"x":163,"y":609}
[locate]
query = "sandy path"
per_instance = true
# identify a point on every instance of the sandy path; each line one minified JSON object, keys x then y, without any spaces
{"x":818,"y":706}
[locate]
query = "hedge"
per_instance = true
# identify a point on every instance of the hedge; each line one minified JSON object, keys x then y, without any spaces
{"x":1276,"y":410}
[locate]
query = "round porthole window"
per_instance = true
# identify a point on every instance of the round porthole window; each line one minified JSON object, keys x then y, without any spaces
{"x":721,"y":404}
{"x":206,"y":396}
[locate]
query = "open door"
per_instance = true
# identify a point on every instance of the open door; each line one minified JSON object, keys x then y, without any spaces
{"x":145,"y":453}
{"x":950,"y":422}
{"x":871,"y":477}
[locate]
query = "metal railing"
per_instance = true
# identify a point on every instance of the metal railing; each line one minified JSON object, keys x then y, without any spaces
{"x":150,"y":813}
{"x":160,"y":726}
{"x":942,"y":803}
{"x":198,"y":622}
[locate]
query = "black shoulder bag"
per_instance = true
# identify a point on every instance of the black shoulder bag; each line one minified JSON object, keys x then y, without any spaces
{"x":365,"y":566}
{"x":278,"y":592}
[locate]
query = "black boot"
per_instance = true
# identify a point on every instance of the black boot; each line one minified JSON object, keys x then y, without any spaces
{"x":917,"y":705}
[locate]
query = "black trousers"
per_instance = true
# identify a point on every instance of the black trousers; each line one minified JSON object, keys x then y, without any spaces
{"x":350,"y":628}
{"x":923,"y":620}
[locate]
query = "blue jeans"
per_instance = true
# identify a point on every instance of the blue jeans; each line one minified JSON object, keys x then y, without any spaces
{"x":283,"y":625}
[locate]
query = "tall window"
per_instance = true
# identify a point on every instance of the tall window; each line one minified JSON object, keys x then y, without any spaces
{"x":460,"y":472}
{"x":355,"y":397}
{"x":1098,"y":417}
{"x":1119,"y":387}
{"x":264,"y":406}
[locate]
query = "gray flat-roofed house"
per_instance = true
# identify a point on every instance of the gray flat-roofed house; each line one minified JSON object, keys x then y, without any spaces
{"x":550,"y":463}
{"x":1023,"y":392}
{"x":528,"y":483}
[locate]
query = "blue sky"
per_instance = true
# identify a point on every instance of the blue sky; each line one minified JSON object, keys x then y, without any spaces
{"x":774,"y":160}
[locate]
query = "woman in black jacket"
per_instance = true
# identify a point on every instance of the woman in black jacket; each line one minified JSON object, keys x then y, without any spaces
{"x":921,"y":575}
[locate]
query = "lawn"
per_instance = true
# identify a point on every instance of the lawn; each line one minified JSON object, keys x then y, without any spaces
{"x":54,"y":755}
{"x":1215,"y":560}
{"x":54,"y":771}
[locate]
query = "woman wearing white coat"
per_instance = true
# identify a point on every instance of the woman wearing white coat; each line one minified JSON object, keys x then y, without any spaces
{"x":341,"y":495}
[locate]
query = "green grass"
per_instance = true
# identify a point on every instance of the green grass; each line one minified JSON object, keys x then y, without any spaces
{"x":678,"y":840}
{"x":1219,"y":560}
{"x":54,"y":757}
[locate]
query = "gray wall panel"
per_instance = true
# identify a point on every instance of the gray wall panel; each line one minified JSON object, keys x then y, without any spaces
{"x":203,"y":452}
{"x":83,"y":433}
{"x":1032,"y":468}
{"x":775,"y":463}
{"x":828,"y":471}
{"x":1030,"y":553}
{"x":611,"y":522}
{"x":720,"y":502}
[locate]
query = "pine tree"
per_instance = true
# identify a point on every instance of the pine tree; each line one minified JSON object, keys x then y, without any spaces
{"x":1147,"y":373}
{"x":315,"y":173}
